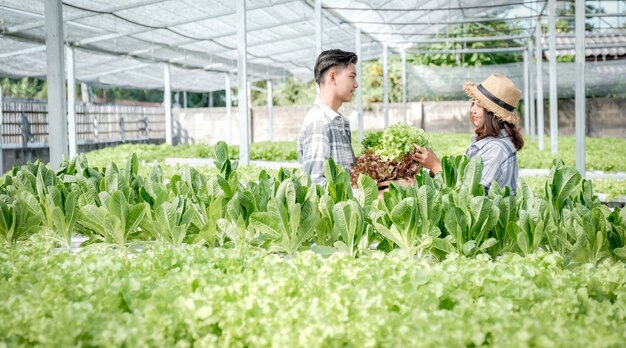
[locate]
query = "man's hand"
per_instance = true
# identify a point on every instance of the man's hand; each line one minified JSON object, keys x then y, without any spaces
{"x":427,"y":159}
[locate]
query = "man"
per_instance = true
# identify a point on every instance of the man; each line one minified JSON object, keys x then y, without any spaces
{"x":325,"y":132}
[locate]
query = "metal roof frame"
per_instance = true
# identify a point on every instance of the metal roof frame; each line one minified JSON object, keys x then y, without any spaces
{"x":118,"y":44}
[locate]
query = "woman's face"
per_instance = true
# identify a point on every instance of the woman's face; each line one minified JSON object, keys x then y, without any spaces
{"x":477,"y":115}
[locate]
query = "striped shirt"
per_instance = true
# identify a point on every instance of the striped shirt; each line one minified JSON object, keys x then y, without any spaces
{"x":324,"y":134}
{"x":499,"y":159}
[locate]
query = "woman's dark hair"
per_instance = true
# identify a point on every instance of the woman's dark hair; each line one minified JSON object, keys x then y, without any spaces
{"x":492,"y":126}
{"x":329,"y":59}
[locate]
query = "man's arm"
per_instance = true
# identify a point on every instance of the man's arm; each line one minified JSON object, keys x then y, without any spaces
{"x":315,"y":150}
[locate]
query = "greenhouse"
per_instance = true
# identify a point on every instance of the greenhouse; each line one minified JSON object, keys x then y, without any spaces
{"x":165,"y":182}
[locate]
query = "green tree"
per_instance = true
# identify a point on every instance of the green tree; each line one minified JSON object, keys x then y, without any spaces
{"x":567,"y":25}
{"x":118,"y":93}
{"x":25,"y":87}
{"x":292,"y":91}
{"x":471,"y":59}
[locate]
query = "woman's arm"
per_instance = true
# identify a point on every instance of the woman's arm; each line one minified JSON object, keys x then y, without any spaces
{"x":427,"y":159}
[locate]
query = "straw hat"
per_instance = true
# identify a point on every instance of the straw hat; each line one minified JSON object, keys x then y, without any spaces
{"x":497,"y":94}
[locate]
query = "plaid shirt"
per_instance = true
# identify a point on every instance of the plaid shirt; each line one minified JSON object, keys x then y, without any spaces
{"x":499,"y":159}
{"x":324,"y":134}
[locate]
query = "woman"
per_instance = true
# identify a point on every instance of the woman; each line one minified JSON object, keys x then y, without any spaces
{"x":497,"y":137}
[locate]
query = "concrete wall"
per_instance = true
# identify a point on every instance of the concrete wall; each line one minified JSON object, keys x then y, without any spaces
{"x":606,"y":117}
{"x":209,"y":125}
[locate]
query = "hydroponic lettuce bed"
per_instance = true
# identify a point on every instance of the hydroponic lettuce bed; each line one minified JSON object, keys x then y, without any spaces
{"x":167,"y":296}
{"x":281,"y":261}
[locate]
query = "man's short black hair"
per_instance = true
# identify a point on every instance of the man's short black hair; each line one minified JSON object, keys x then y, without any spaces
{"x":331,"y":58}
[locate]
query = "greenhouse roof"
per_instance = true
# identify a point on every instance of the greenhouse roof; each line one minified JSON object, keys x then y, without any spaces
{"x":125,"y":42}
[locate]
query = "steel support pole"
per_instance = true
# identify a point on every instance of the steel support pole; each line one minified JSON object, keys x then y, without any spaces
{"x":318,"y":27}
{"x":1,"y":132}
{"x":229,"y":107}
{"x":55,"y":67}
{"x":531,"y":91}
{"x":249,"y":95}
{"x":539,"y":58}
{"x":580,"y":87}
{"x":84,"y":93}
{"x":386,"y":85}
{"x":554,"y":109}
{"x":71,"y":102}
{"x":318,"y":35}
{"x":270,"y":107}
{"x":359,"y":77}
{"x":242,"y":73}
{"x":404,"y":91}
{"x":167,"y":103}
{"x":527,"y":103}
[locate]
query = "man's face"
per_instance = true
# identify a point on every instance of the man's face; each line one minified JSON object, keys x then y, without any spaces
{"x":344,"y":82}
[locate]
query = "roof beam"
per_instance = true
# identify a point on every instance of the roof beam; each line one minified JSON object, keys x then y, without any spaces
{"x":255,"y":71}
{"x":593,"y":15}
{"x":165,"y":46}
{"x":298,"y":49}
{"x":282,"y":39}
{"x":262,"y":71}
{"x":112,"y":36}
{"x":263,"y":27}
{"x":596,"y":46}
{"x":148,"y":76}
{"x":218,"y":60}
{"x":462,"y":14}
{"x":175,"y":46}
{"x":432,"y":9}
{"x":470,"y":39}
{"x":24,"y":51}
{"x":472,"y":50}
{"x":147,"y":28}
{"x":463,"y":21}
{"x":436,"y":35}
{"x":41,"y":24}
{"x":37,"y":15}
{"x":114,"y":71}
{"x":341,"y":18}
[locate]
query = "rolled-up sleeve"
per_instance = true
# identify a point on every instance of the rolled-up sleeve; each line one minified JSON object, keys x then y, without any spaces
{"x":315,"y":150}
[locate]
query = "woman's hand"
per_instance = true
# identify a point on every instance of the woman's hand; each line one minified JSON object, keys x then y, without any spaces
{"x":427,"y":159}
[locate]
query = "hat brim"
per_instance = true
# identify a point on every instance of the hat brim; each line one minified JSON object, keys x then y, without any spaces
{"x":477,"y":97}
